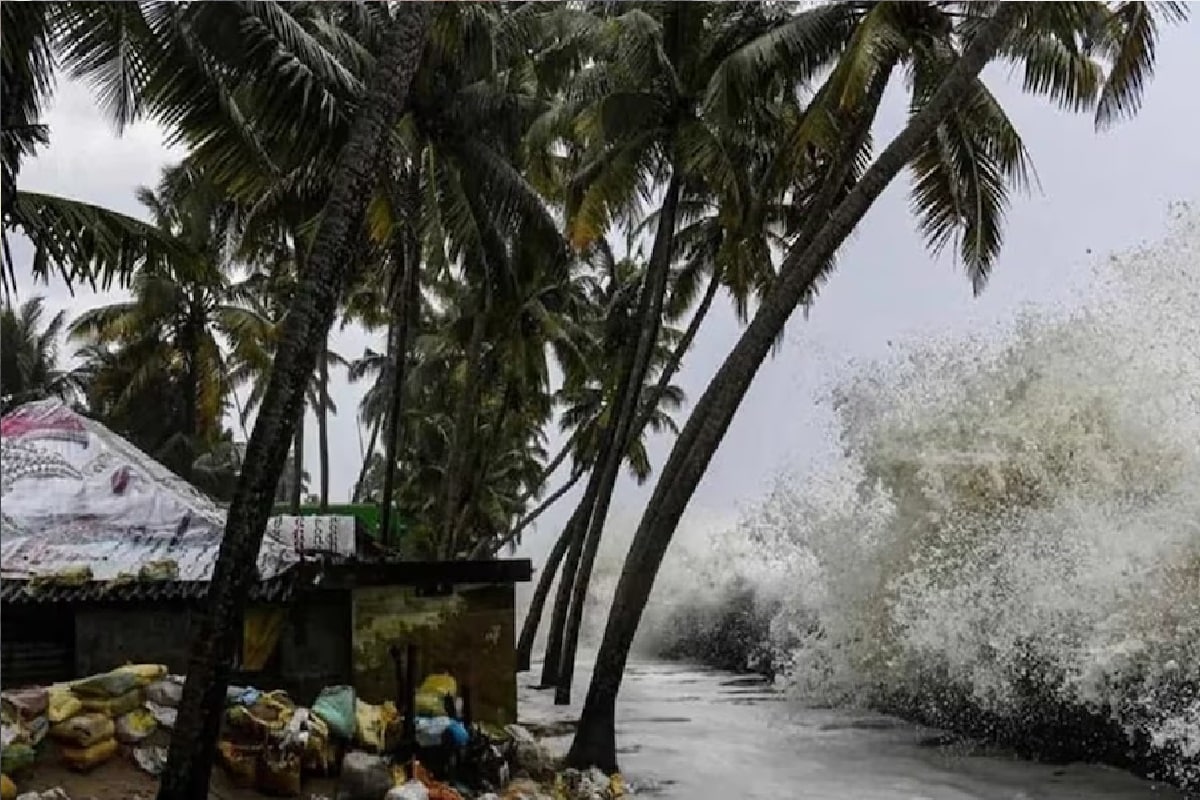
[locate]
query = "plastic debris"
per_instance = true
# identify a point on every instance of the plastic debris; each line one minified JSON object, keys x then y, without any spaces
{"x":165,"y":693}
{"x":151,"y":759}
{"x":364,"y":777}
{"x":413,"y":790}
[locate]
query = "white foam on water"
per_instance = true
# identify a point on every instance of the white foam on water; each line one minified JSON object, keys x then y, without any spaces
{"x":1015,"y":520}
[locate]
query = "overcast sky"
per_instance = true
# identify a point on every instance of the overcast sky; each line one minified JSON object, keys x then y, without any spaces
{"x":1099,"y":193}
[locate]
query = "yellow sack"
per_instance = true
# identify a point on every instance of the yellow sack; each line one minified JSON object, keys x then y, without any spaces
{"x":371,"y":729}
{"x":63,"y":705}
{"x":146,"y":673}
{"x":432,"y":692}
{"x":8,"y":789}
{"x":84,"y":730}
{"x":86,"y":758}
{"x":135,"y":726}
{"x":114,"y":706}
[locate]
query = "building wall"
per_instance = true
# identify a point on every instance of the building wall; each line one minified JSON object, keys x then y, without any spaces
{"x":109,"y":636}
{"x":469,"y":633}
{"x":314,"y":647}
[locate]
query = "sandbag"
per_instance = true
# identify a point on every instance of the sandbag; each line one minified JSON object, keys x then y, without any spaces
{"x":135,"y":726}
{"x":82,"y":759}
{"x":240,"y":762}
{"x":8,"y":789}
{"x":16,"y":758}
{"x":336,"y":706}
{"x":84,"y":730}
{"x":371,"y":725}
{"x":165,"y":693}
{"x":63,"y":704}
{"x":108,"y":684}
{"x":433,"y":693}
{"x":27,"y":703}
{"x":114,"y":706}
{"x":278,"y":773}
{"x":146,"y":673}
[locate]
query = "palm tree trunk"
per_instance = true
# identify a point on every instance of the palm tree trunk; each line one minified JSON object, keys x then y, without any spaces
{"x":217,"y":632}
{"x":464,"y":429}
{"x":297,"y":498}
{"x":673,"y":364}
{"x":650,"y":306}
{"x":529,"y":518}
{"x":595,"y":737}
{"x":372,"y":440}
{"x":575,"y":530}
{"x":537,"y":604}
{"x":323,"y":424}
{"x":405,"y":318}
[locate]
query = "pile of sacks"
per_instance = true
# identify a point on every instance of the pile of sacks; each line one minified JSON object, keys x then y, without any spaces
{"x":271,"y":744}
{"x":89,"y":720}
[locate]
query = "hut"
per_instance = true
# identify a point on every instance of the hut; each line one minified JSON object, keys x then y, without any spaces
{"x":105,"y":559}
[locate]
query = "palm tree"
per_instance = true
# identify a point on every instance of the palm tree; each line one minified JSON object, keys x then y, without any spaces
{"x":962,"y":149}
{"x":312,"y":310}
{"x":29,"y":356}
{"x":181,"y":313}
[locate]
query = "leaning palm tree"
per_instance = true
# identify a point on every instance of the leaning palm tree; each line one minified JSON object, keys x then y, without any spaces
{"x":322,"y":281}
{"x":29,"y":355}
{"x":965,"y":155}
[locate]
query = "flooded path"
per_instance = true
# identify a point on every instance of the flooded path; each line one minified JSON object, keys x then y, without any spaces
{"x":686,"y":732}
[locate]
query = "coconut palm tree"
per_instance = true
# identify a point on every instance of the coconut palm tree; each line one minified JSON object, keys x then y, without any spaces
{"x":322,"y":281}
{"x":181,"y":313}
{"x":965,"y":155}
{"x":29,"y":355}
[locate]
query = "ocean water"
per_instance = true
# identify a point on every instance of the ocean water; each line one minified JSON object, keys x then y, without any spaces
{"x":1008,"y":542}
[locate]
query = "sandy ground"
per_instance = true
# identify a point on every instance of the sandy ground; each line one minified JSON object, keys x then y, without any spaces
{"x":120,"y":779}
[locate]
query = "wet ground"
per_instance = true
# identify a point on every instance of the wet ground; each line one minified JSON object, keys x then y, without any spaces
{"x":689,"y":733}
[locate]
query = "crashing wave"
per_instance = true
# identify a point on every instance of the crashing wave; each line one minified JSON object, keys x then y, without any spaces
{"x":1010,"y":546}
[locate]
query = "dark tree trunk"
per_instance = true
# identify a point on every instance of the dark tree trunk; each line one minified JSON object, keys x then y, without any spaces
{"x":405,"y":318}
{"x":676,"y":361}
{"x":529,"y":518}
{"x":464,"y":433}
{"x":537,"y":604}
{"x":372,"y":440}
{"x":595,"y":738}
{"x":323,"y":424}
{"x":629,"y":395}
{"x":217,"y":632}
{"x":576,"y":527}
{"x":297,"y":498}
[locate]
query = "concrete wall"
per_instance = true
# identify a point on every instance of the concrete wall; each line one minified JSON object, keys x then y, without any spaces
{"x":469,"y":632}
{"x":314,"y":648}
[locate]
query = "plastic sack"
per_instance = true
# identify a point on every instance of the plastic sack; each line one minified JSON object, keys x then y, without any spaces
{"x":278,"y":773}
{"x":36,"y":730}
{"x":165,"y":693}
{"x":432,"y":694}
{"x":432,"y":731}
{"x":16,"y":758}
{"x":146,"y":673}
{"x":82,"y":759}
{"x":108,"y":684}
{"x":164,"y":716}
{"x":8,"y":789}
{"x":336,"y":707}
{"x":135,"y":726}
{"x":114,"y":706}
{"x":372,"y":723}
{"x":26,"y":703}
{"x":84,"y":730}
{"x":63,"y":705}
{"x":152,"y":759}
{"x":413,"y":790}
{"x":240,"y":762}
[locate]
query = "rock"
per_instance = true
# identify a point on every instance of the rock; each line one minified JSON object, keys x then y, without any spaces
{"x":364,"y":777}
{"x":413,"y":790}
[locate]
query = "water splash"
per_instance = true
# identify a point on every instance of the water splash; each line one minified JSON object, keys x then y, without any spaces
{"x":1011,"y":542}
